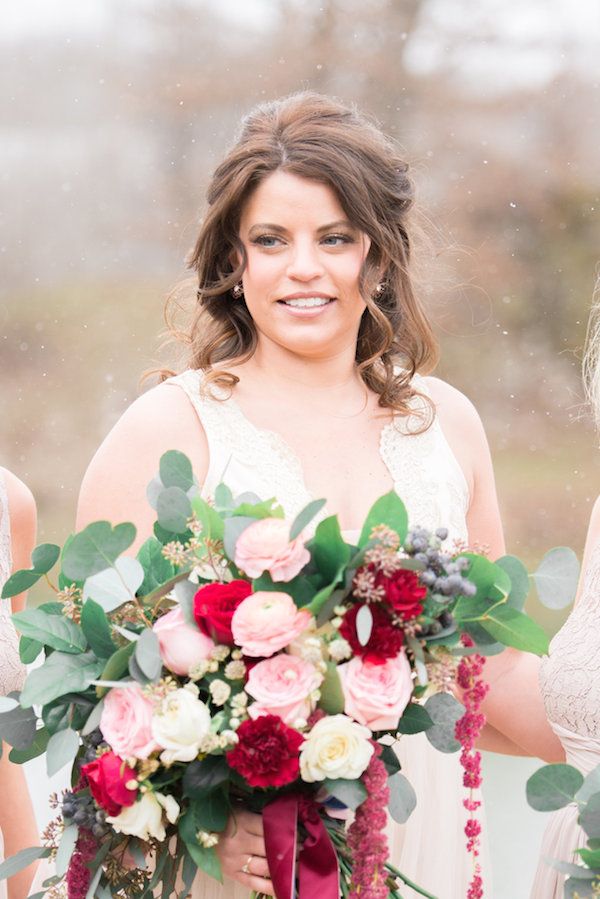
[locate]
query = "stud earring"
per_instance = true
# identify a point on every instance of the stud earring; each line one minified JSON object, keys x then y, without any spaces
{"x":380,"y":288}
{"x":238,"y":291}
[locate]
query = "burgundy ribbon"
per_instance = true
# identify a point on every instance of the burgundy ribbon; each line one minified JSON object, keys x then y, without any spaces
{"x":318,"y":872}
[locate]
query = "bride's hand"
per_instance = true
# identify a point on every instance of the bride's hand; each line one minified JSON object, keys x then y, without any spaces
{"x":241,"y":850}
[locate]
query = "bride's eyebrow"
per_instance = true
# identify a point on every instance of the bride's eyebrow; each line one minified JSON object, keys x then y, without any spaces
{"x":271,"y":226}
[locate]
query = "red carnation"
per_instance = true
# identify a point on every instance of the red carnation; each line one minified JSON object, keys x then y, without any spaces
{"x":386,"y":638}
{"x":403,"y":591}
{"x":107,"y":777}
{"x":214,"y":605}
{"x":267,"y":754}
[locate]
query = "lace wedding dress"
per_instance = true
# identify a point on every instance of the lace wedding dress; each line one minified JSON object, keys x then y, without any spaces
{"x":570,"y":684}
{"x":12,"y":672}
{"x":430,"y":848}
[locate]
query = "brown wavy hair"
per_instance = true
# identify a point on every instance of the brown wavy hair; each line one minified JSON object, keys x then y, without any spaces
{"x":319,"y":138}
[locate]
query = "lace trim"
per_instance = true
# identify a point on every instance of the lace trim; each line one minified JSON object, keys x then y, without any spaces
{"x":570,"y":674}
{"x":12,"y":671}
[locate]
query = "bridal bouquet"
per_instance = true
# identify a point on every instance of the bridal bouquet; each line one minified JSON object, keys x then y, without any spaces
{"x":244,"y":658}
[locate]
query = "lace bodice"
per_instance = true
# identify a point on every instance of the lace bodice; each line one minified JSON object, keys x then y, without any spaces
{"x":570,"y":674}
{"x":12,"y":672}
{"x":424,"y":470}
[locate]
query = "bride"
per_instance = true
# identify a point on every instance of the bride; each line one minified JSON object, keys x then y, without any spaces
{"x":303,"y":378}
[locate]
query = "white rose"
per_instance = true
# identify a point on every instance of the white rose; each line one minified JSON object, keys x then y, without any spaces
{"x":144,"y":819}
{"x":335,"y":747}
{"x":179,"y":724}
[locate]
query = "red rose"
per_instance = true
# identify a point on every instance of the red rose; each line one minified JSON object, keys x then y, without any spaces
{"x":403,"y":591}
{"x":267,"y":754}
{"x":107,"y":777}
{"x":386,"y":638}
{"x":214,"y":605}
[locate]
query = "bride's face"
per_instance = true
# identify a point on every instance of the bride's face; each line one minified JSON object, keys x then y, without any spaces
{"x":303,"y":263}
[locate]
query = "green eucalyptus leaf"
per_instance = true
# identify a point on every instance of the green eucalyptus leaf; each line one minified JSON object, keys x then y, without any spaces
{"x":300,"y":588}
{"x":415,"y":719}
{"x":36,"y":748}
{"x":116,"y":666}
{"x":116,"y":585}
{"x":514,"y":628}
{"x":519,"y":580}
{"x":590,"y":785}
{"x":62,"y":748}
{"x":223,"y":497}
{"x":8,"y":704}
{"x":136,"y":672}
{"x":332,"y":696}
{"x":553,"y":787}
{"x":233,"y":528}
{"x":22,"y":860}
{"x":51,"y":630}
{"x":591,"y":857}
{"x":390,"y":759}
{"x":157,"y":569}
{"x":61,"y":673}
{"x":556,"y":578}
{"x":65,"y":849}
{"x":147,"y":654}
{"x":18,"y":726}
{"x":29,"y":650}
{"x":351,"y":792}
{"x":305,"y":516}
{"x":44,"y":557}
{"x":389,"y":510}
{"x":589,"y":817}
{"x":174,"y":509}
{"x":176,"y":470}
{"x":96,"y":548}
{"x":96,"y":628}
{"x":19,"y":582}
{"x":403,"y":798}
{"x":444,"y":710}
{"x":213,"y":526}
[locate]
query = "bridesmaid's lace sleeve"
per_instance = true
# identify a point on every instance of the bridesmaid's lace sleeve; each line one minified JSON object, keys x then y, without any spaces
{"x":12,"y":671}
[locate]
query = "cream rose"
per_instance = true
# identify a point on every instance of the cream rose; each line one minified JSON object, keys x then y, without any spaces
{"x":266,"y":546}
{"x":266,"y":622}
{"x":283,"y":686}
{"x":376,"y":695}
{"x":335,"y":747}
{"x":179,"y":724}
{"x":144,"y":819}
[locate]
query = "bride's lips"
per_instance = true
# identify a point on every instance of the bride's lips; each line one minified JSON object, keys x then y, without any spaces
{"x":305,"y":304}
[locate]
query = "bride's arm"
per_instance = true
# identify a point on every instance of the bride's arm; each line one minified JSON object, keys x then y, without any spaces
{"x":114,"y":489}
{"x":513,"y":707}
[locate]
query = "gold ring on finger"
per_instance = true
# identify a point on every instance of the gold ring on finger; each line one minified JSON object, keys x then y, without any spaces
{"x":246,"y":866}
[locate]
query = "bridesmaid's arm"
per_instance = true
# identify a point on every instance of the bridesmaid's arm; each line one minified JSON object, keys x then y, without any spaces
{"x":513,"y":707}
{"x":17,"y":820}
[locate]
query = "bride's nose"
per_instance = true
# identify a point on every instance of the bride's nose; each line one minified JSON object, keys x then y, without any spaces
{"x":304,"y":263}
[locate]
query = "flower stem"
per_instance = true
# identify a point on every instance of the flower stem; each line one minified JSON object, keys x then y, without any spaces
{"x":409,"y":882}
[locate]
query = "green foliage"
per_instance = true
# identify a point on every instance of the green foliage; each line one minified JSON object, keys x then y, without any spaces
{"x":514,"y":628}
{"x":415,"y":719}
{"x":22,"y":860}
{"x":116,"y":666}
{"x":95,"y":548}
{"x":305,"y":516}
{"x":36,"y":748}
{"x":444,"y":710}
{"x":61,"y":673}
{"x":55,"y":631}
{"x":147,"y":654}
{"x":114,"y":586}
{"x":556,"y":578}
{"x":157,"y":569}
{"x":388,"y":510}
{"x":205,"y":859}
{"x":403,"y":799}
{"x":174,"y":509}
{"x":201,"y":777}
{"x":43,"y":558}
{"x":329,"y":550}
{"x":62,"y":749}
{"x":213,"y":526}
{"x":332,"y":695}
{"x":17,"y":726}
{"x":176,"y":470}
{"x":553,"y":787}
{"x":519,"y":580}
{"x":351,"y":792}
{"x":96,"y":627}
{"x":29,"y":650}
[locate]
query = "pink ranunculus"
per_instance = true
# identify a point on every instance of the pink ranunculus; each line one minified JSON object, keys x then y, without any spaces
{"x":282,"y":685}
{"x":266,"y":622}
{"x":126,"y":722}
{"x":181,"y":644}
{"x":376,"y":695}
{"x":266,"y":546}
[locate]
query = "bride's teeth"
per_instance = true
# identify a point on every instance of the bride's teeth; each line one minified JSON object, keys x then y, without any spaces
{"x":304,"y":302}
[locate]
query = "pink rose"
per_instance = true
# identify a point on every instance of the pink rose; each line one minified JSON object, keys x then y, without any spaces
{"x":376,"y":695}
{"x":266,"y":622}
{"x":282,"y":686}
{"x":266,"y":546}
{"x":181,"y":644}
{"x":126,"y":722}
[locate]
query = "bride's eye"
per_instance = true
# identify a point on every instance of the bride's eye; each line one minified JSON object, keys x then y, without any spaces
{"x":267,"y":240}
{"x":337,"y":240}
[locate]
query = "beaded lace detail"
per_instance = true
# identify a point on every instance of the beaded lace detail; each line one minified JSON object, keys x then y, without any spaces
{"x":12,"y":671}
{"x":570,"y":674}
{"x":424,"y":470}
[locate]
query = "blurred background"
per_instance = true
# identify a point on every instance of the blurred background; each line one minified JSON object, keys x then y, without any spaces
{"x":114,"y":113}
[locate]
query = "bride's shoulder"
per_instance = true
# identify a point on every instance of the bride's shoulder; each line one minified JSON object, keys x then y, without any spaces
{"x":451,"y":405}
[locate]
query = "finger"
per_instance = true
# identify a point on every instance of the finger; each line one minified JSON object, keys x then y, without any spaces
{"x":251,"y":822}
{"x":258,"y":867}
{"x":258,"y":884}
